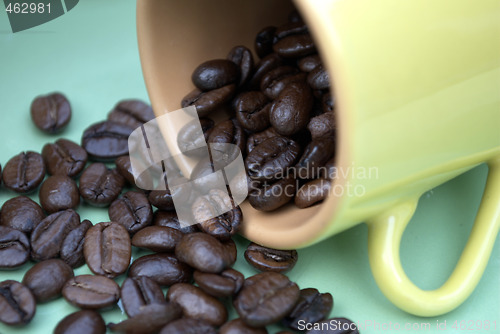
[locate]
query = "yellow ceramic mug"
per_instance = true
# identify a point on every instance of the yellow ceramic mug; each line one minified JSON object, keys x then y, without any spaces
{"x":418,"y":102}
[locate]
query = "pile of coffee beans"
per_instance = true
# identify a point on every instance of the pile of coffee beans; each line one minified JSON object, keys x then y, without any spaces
{"x":283,"y":121}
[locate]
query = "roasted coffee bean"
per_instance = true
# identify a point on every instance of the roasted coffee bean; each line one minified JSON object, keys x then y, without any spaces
{"x":165,"y":269}
{"x":276,"y":80}
{"x":206,"y":211}
{"x":138,"y":292}
{"x":252,"y":110}
{"x":106,"y":140}
{"x":291,"y":110}
{"x":170,"y":219}
{"x":132,"y":113}
{"x":328,"y":102}
{"x":318,"y":78}
{"x":162,"y":199}
{"x":124,"y":167}
{"x":193,"y":137}
{"x":107,"y":249}
{"x":226,"y":284}
{"x":312,"y":192}
{"x":99,"y":185}
{"x":64,"y":157}
{"x":329,"y":171}
{"x":295,"y":46}
{"x":290,"y":29}
{"x":157,"y":238}
{"x":266,"y":64}
{"x":24,"y":172}
{"x":81,"y":322}
{"x":91,"y":291}
{"x":270,"y":196}
{"x":208,"y":102}
{"x":309,"y":63}
{"x":72,"y":246}
{"x":264,"y":41}
{"x":237,"y":326}
{"x":214,"y":74}
{"x":257,"y":138}
{"x":205,"y":253}
{"x":59,"y":192}
{"x":322,"y":126}
{"x":47,"y":278}
{"x":269,"y":259}
{"x":14,"y":248}
{"x":188,"y":326}
{"x":243,"y":58}
{"x":203,"y":176}
{"x":17,"y":303}
{"x":227,"y":132}
{"x":132,"y":211}
{"x":272,"y":158}
{"x":21,"y":213}
{"x":266,"y":298}
{"x":196,"y":304}
{"x":315,"y":156}
{"x":48,"y":236}
{"x":149,"y":320}
{"x":312,"y":307}
{"x":340,"y":326}
{"x":51,"y":113}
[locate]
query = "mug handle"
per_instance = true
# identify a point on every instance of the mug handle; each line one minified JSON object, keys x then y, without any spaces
{"x":384,"y":238}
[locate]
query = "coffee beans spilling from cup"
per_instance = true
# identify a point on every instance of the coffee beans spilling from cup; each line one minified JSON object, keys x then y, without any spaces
{"x":281,"y":119}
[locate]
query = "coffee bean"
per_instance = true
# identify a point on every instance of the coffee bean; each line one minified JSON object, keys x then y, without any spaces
{"x":14,"y":248}
{"x":191,"y":141}
{"x":266,"y":298}
{"x":99,"y":185}
{"x":157,"y":238}
{"x":91,"y":292}
{"x":24,"y":172}
{"x":17,"y":303}
{"x":81,"y":322}
{"x":252,"y":110}
{"x":237,"y":326}
{"x":215,"y":74}
{"x":312,"y":192}
{"x":243,"y":58}
{"x":273,"y":83}
{"x":257,"y":138}
{"x":272,"y":158}
{"x":318,"y":78}
{"x":106,"y":140}
{"x":204,"y":252}
{"x":328,"y":102}
{"x":162,"y":199}
{"x":107,"y":249}
{"x":59,"y":192}
{"x":290,"y":111}
{"x":315,"y":156}
{"x":48,"y":236}
{"x":124,"y":167}
{"x":196,"y":304}
{"x":170,"y":219}
{"x":266,"y":64}
{"x":294,"y":46}
{"x":290,"y":29}
{"x":165,"y":269}
{"x":264,"y":41}
{"x":206,"y":211}
{"x":322,"y":125}
{"x":311,"y":307}
{"x":309,"y":63}
{"x":131,"y":113}
{"x":150,"y":320}
{"x":226,"y":284}
{"x":334,"y":326}
{"x":226,"y":132}
{"x":51,"y":113}
{"x":47,"y":278}
{"x":329,"y":171}
{"x":138,"y":292}
{"x":72,"y":246}
{"x":21,"y":213}
{"x":132,"y":211}
{"x":269,"y":259}
{"x":188,"y":326}
{"x":64,"y":157}
{"x":208,"y":102}
{"x":272,"y":195}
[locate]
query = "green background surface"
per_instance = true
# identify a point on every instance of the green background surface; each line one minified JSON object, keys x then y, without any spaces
{"x":90,"y":54}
